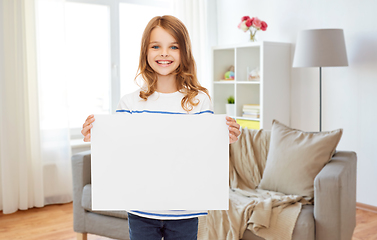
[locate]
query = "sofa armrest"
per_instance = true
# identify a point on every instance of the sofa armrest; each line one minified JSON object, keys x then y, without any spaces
{"x":81,"y":176}
{"x":335,"y":198}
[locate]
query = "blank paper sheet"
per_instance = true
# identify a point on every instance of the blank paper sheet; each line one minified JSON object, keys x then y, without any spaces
{"x":160,"y":162}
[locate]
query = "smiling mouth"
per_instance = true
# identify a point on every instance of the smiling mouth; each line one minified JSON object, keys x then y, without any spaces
{"x":164,"y":63}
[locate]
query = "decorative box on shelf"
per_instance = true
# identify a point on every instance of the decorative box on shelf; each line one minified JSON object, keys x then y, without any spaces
{"x":261,"y":78}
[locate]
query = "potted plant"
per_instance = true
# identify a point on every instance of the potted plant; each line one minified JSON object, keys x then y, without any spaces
{"x":230,"y":107}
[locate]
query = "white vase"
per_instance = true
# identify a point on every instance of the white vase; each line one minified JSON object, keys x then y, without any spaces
{"x":231,"y":109}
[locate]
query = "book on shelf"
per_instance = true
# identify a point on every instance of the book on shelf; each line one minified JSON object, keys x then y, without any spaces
{"x":256,"y":111}
{"x":251,"y":113}
{"x":250,"y":107}
{"x":250,"y":124}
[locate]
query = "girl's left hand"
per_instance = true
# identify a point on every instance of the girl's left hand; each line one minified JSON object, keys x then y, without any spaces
{"x":234,"y":131}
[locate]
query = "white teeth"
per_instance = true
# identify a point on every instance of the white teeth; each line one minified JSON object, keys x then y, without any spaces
{"x":164,"y":62}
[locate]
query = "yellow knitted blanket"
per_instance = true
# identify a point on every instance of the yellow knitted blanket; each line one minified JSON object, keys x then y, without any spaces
{"x":268,"y":214}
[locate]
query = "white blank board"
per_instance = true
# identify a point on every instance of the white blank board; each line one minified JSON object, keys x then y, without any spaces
{"x":160,"y":162}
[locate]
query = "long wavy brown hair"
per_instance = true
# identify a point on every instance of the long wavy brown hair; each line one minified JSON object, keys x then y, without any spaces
{"x":187,"y":81}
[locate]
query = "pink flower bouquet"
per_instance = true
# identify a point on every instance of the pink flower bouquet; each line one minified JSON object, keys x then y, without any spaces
{"x":253,"y":25}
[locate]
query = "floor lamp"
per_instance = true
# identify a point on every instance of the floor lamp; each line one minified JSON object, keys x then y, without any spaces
{"x":320,"y":48}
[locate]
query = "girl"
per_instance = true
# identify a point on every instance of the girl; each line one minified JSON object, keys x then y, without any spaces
{"x":170,"y":86}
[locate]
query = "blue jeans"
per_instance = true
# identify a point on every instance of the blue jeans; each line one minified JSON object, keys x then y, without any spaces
{"x":141,"y":228}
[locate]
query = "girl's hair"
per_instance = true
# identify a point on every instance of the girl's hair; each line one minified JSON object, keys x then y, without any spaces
{"x":187,"y":81}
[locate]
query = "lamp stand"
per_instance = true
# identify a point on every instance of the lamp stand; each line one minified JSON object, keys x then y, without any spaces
{"x":320,"y":99}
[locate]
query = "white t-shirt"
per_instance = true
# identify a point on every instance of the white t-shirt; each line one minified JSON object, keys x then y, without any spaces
{"x":164,"y":103}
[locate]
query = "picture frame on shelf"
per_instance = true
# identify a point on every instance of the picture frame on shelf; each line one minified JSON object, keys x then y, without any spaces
{"x":253,"y":75}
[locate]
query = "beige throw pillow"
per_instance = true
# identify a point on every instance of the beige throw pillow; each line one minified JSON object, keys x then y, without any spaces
{"x":295,"y":158}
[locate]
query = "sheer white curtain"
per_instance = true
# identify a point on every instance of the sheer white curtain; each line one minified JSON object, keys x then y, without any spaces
{"x":53,"y":103}
{"x":21,"y":172}
{"x":193,"y":13}
{"x":35,"y":167}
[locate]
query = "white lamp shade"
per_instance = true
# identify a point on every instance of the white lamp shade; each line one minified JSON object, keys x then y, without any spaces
{"x":320,"y":48}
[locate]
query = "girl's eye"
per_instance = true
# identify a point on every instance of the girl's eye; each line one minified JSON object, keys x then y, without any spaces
{"x":173,"y":47}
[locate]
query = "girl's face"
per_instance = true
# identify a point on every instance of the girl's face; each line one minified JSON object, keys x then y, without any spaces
{"x":163,"y":52}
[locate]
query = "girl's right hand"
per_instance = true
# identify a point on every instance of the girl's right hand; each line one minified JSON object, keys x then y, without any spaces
{"x":86,"y":128}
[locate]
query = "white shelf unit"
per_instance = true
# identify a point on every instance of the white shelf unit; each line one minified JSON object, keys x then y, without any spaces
{"x":271,"y":92}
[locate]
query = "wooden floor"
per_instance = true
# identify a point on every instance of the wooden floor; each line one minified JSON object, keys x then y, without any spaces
{"x":54,"y":222}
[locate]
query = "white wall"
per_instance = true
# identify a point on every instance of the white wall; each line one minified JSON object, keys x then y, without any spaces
{"x":349,"y":93}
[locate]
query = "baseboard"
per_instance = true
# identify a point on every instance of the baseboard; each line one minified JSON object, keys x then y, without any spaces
{"x":366,"y":207}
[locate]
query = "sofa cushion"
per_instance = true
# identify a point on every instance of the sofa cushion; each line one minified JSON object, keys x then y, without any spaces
{"x":295,"y":158}
{"x":86,"y":203}
{"x":304,"y":228}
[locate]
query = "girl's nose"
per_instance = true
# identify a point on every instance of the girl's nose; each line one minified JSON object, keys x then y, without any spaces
{"x":164,"y":52}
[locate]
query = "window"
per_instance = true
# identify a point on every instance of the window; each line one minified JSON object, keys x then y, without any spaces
{"x":102,"y":44}
{"x":87,"y":31}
